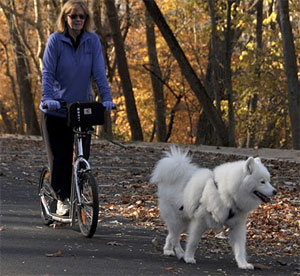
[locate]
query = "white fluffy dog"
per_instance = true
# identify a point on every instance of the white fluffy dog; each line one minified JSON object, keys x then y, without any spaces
{"x":195,"y":199}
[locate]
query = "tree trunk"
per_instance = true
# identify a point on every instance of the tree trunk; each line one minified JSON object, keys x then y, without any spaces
{"x":40,"y":36}
{"x":228,"y":83}
{"x":23,"y":77}
{"x":291,"y":70}
{"x":104,"y":131}
{"x":254,"y":98}
{"x":212,"y":113}
{"x":214,"y":79}
{"x":20,"y":126}
{"x":205,"y":132}
{"x":6,"y":120}
{"x":156,"y":76}
{"x":132,"y":114}
{"x":212,"y":67}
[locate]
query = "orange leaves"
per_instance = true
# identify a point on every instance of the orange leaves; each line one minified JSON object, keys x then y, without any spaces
{"x":109,"y":207}
{"x":141,"y":211}
{"x":58,"y":253}
{"x":275,"y":227}
{"x":272,"y":229}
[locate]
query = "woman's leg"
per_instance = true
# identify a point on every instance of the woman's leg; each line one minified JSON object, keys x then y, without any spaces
{"x":58,"y":139}
{"x":86,"y":146}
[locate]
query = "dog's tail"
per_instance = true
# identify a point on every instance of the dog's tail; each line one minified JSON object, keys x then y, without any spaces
{"x":175,"y":167}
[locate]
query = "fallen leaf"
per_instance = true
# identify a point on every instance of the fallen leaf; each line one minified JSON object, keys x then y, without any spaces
{"x":261,"y":266}
{"x":114,"y":243}
{"x":128,"y":197}
{"x":59,"y":225}
{"x":56,"y":254}
{"x":156,"y":244}
{"x":110,"y":206}
{"x":282,"y":263}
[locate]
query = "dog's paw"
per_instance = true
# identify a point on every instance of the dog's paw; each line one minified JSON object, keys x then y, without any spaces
{"x":169,"y":252}
{"x":179,"y":253}
{"x":245,"y":266}
{"x":190,"y":260}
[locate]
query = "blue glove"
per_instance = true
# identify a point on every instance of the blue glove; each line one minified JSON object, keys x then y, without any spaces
{"x":51,"y":104}
{"x":109,"y":105}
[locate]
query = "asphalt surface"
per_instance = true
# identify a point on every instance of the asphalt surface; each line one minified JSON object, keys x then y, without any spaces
{"x":30,"y":248}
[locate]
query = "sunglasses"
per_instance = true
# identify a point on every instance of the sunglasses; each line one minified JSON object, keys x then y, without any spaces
{"x":74,"y":16}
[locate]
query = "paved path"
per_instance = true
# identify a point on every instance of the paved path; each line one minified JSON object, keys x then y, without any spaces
{"x":118,"y":247}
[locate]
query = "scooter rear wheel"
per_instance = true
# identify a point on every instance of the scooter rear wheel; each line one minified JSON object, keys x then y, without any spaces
{"x":45,"y":190}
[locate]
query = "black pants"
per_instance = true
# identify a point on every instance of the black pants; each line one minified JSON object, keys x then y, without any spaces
{"x":58,"y":138}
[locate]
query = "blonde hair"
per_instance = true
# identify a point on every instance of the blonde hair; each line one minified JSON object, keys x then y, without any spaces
{"x":70,"y":5}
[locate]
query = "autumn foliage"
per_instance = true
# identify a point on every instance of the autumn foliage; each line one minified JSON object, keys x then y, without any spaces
{"x":257,"y":72}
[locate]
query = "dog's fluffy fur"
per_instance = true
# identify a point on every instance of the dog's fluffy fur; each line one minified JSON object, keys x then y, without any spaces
{"x":195,"y":199}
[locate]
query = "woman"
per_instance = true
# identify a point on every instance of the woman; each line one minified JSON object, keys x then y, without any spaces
{"x":73,"y":56}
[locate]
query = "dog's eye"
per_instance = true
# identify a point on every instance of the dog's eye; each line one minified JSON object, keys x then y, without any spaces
{"x":262,"y":182}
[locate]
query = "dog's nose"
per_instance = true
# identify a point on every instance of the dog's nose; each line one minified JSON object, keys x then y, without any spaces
{"x":274,"y":192}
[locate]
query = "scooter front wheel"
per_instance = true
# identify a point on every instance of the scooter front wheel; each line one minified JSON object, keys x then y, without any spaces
{"x":87,"y":212}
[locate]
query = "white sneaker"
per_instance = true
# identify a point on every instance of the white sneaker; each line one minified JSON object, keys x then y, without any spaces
{"x":62,"y":208}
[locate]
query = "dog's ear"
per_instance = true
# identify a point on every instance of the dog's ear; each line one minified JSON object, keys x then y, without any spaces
{"x":257,"y":160}
{"x":249,"y":165}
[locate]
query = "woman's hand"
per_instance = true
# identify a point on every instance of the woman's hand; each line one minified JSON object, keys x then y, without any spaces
{"x":109,"y":105}
{"x":51,"y":105}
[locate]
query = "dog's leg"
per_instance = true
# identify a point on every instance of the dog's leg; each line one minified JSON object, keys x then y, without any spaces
{"x":179,"y":251}
{"x":168,"y":248}
{"x":196,"y":229}
{"x":237,"y":237}
{"x":172,"y":246}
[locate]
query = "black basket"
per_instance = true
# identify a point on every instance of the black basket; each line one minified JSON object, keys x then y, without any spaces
{"x":85,"y":114}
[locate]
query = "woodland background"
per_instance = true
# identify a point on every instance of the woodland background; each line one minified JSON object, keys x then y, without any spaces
{"x":186,"y":71}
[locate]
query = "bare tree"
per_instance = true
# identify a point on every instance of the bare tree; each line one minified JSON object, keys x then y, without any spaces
{"x":36,"y":24}
{"x":214,"y":79}
{"x":40,"y":35}
{"x":23,"y":73}
{"x":210,"y":110}
{"x":20,"y":127}
{"x":132,"y":114}
{"x":97,"y":8}
{"x":213,"y":56}
{"x":254,"y":98}
{"x":291,"y":70}
{"x":157,"y":85}
{"x":7,"y":122}
{"x":228,"y":83}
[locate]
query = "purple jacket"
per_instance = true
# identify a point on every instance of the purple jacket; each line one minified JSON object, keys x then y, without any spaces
{"x":67,"y":73}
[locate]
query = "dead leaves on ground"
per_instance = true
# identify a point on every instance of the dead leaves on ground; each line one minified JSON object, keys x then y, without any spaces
{"x":114,"y":243}
{"x":137,"y":203}
{"x":272,"y":229}
{"x":125,"y":192}
{"x":58,"y":253}
{"x":156,"y":245}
